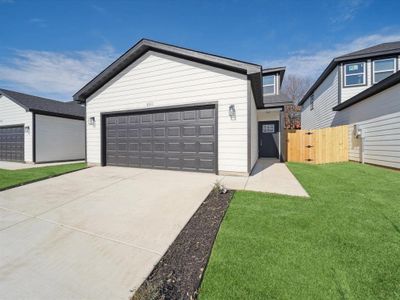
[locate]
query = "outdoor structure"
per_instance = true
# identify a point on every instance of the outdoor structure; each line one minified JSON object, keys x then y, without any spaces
{"x":36,"y":130}
{"x":167,"y":107}
{"x":360,"y":89}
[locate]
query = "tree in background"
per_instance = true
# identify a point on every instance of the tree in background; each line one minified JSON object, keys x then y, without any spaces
{"x":294,"y":87}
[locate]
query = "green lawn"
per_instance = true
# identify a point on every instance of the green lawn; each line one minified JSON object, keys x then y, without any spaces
{"x":13,"y":178}
{"x":342,"y":243}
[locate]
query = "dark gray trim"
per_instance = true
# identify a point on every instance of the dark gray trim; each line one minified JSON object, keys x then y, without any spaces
{"x":339,"y":83}
{"x":375,"y":89}
{"x":33,"y":137}
{"x":58,"y":115}
{"x":145,"y":45}
{"x":85,"y":135}
{"x":344,"y":73}
{"x":13,"y":125}
{"x":278,"y":70}
{"x":104,"y":115}
{"x":248,"y":127}
{"x":372,"y":55}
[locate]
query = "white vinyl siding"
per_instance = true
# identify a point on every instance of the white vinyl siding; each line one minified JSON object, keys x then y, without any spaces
{"x":59,"y":139}
{"x":379,"y":118}
{"x":158,"y":80}
{"x":254,"y":129}
{"x":325,"y":98}
{"x":13,"y":114}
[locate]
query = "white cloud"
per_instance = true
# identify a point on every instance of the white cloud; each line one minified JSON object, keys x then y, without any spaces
{"x":310,"y":64}
{"x":348,"y":10}
{"x":53,"y":74}
{"x":39,"y":22}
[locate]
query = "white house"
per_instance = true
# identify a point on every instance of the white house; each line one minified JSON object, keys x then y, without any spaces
{"x":167,"y":107}
{"x":37,"y":130}
{"x":360,"y":89}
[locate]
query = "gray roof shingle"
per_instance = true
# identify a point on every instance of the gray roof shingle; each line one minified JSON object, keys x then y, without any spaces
{"x":39,"y":104}
{"x":276,"y":100}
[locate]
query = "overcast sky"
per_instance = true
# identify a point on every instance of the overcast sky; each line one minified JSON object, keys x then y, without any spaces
{"x":53,"y":48}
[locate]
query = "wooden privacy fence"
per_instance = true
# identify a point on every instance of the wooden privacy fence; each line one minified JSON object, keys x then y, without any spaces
{"x":318,"y":146}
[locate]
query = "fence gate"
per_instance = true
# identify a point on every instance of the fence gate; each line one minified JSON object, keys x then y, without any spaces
{"x":318,"y":146}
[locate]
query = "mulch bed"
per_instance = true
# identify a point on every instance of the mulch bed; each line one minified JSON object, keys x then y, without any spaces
{"x":179,"y":272}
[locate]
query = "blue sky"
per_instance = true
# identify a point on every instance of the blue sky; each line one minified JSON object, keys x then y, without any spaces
{"x":52,"y":48}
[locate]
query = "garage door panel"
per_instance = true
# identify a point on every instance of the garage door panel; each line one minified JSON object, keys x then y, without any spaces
{"x":12,"y":143}
{"x":182,"y":139}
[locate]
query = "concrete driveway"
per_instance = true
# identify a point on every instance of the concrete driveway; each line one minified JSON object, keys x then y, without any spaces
{"x":92,"y":234}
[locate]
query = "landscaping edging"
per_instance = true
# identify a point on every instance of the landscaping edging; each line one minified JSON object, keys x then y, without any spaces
{"x":179,"y":272}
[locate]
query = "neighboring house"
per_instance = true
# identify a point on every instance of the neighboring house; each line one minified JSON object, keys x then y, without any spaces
{"x":167,"y":107}
{"x":36,"y":130}
{"x":362,"y":89}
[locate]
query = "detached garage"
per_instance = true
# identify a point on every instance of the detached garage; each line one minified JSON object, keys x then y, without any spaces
{"x":165,"y":107}
{"x":38,"y":130}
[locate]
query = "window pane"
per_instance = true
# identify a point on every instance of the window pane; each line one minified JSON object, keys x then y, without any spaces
{"x":384,"y":64}
{"x":354,"y":79}
{"x":268,"y":79}
{"x":379,"y":76}
{"x":355,"y":68}
{"x":268,"y":89}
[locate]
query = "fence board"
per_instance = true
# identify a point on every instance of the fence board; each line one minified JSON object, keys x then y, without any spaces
{"x":318,"y":146}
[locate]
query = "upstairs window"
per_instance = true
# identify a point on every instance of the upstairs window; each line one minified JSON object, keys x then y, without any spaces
{"x":354,"y":74}
{"x":383,"y":68}
{"x":269,"y":85}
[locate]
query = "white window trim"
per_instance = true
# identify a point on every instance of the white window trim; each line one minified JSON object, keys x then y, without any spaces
{"x":363,"y":73}
{"x":383,"y":71}
{"x":272,"y":84}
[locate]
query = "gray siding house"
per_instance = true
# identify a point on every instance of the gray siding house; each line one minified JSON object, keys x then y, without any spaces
{"x":168,"y":107}
{"x":361,"y":89}
{"x":37,"y":130}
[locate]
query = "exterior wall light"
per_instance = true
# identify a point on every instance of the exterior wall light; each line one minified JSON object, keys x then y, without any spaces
{"x":92,"y":120}
{"x":27,"y":128}
{"x":232,"y":112}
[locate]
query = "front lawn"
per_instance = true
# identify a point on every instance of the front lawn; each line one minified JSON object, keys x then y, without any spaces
{"x":12,"y":178}
{"x":342,"y":243}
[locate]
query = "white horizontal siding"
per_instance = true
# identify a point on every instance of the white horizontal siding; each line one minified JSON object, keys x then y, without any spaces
{"x":325,"y":98}
{"x":254,"y":130}
{"x":379,"y":118}
{"x":59,"y":139}
{"x":158,"y":80}
{"x":13,"y":114}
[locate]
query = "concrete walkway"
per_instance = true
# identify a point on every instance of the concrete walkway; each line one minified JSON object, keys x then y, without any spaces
{"x":269,"y":176}
{"x":9,"y":165}
{"x":92,"y":234}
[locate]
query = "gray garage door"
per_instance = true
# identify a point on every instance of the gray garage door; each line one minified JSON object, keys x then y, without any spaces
{"x":12,"y":143}
{"x":179,"y":139}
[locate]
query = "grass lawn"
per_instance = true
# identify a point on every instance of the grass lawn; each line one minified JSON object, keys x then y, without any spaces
{"x":342,"y":243}
{"x":11,"y":178}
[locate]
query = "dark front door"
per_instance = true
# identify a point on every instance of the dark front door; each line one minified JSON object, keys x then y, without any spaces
{"x":174,"y":139}
{"x":268,"y":139}
{"x":12,"y":143}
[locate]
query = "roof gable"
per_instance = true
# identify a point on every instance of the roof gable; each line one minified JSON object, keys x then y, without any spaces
{"x":45,"y":105}
{"x":252,"y":70}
